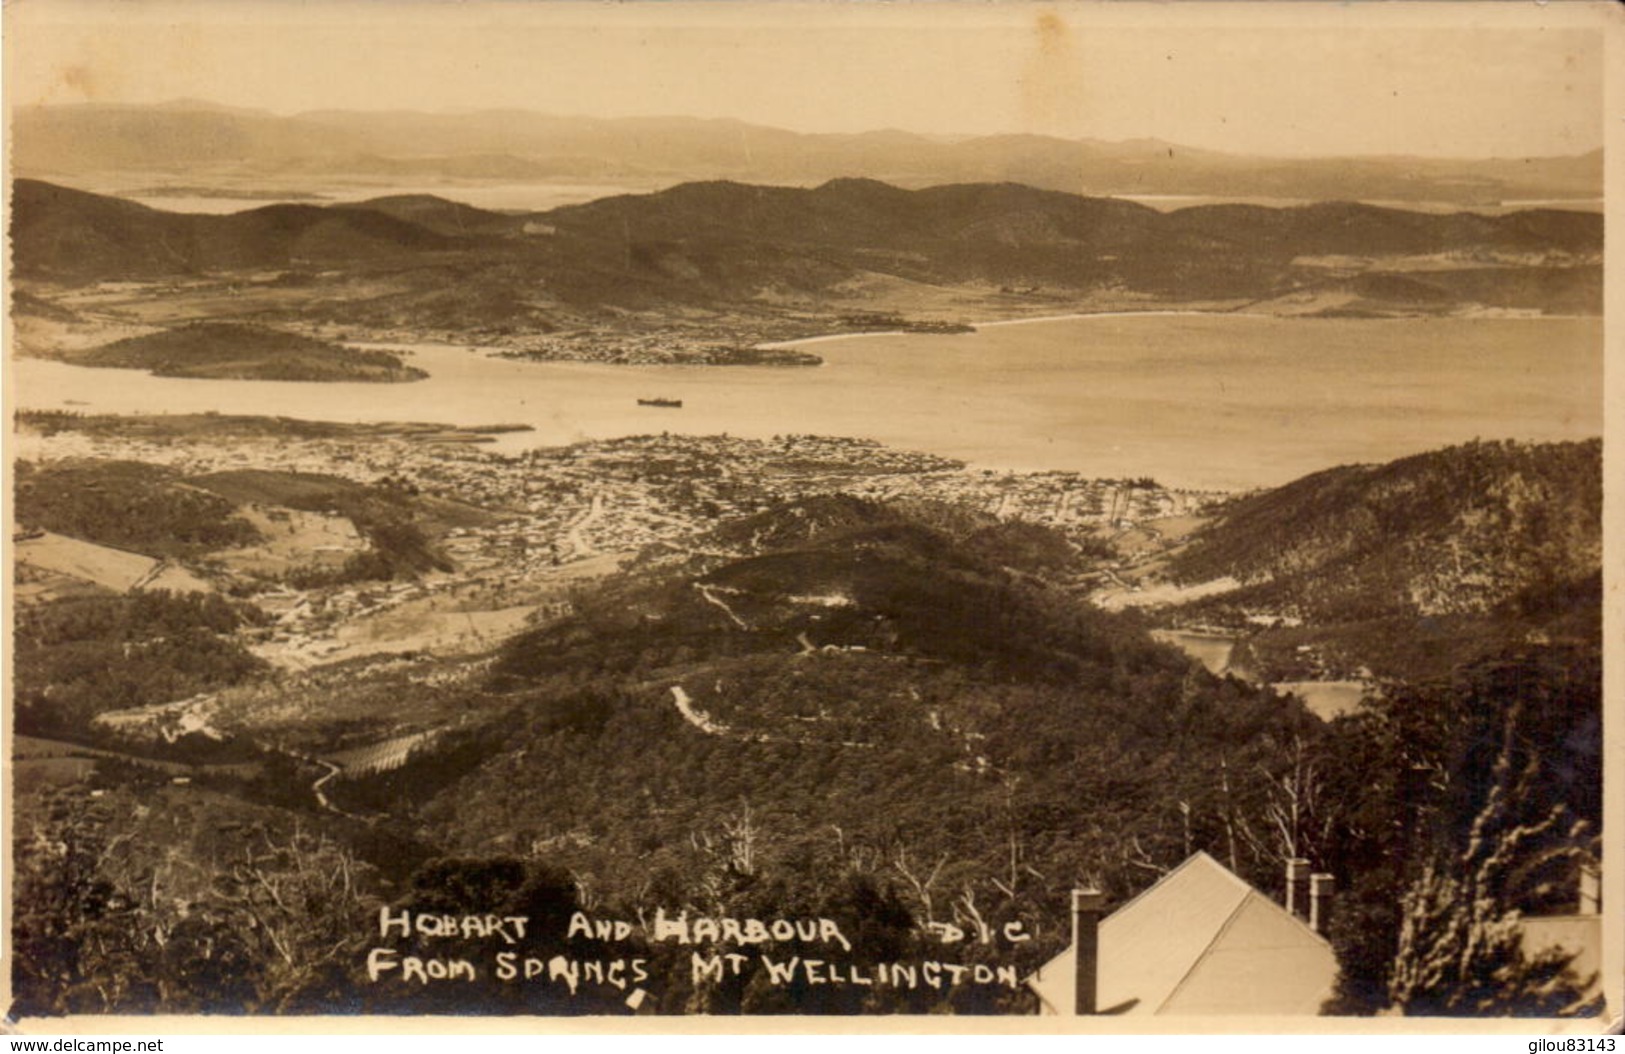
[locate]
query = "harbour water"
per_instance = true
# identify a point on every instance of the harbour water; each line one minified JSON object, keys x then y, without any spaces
{"x":1201,"y":401}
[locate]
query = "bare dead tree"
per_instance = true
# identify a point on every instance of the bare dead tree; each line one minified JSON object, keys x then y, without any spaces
{"x":968,"y":917}
{"x":1229,"y":812}
{"x":1294,"y":807}
{"x":1134,"y":855}
{"x":859,"y":857}
{"x":921,"y":884}
{"x":742,"y":836}
{"x":586,"y":887}
{"x":302,"y":896}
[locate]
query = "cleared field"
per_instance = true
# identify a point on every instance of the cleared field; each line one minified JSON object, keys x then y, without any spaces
{"x":1210,"y":649}
{"x":113,"y":568}
{"x":415,"y":628}
{"x":177,"y":580}
{"x":293,"y":538}
{"x":35,"y":585}
{"x":178,"y":717}
{"x":34,"y":773}
{"x":32,"y":748}
{"x":440,"y":625}
{"x":47,"y":558}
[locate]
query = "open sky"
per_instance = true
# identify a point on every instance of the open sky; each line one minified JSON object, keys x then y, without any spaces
{"x":1276,"y":79}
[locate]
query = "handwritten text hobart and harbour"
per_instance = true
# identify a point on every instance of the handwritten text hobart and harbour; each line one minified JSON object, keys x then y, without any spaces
{"x":722,"y":948}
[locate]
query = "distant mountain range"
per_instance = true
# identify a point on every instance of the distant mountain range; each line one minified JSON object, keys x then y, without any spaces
{"x":198,"y":140}
{"x":723,"y":244}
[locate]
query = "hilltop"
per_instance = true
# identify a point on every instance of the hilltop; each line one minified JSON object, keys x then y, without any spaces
{"x":1446,"y":532}
{"x":58,"y":231}
{"x":233,"y":351}
{"x":449,"y":218}
{"x":1405,"y":570}
{"x":870,"y":688}
{"x":708,"y":264}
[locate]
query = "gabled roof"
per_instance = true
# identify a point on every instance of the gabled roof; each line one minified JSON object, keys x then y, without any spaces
{"x":1200,"y":941}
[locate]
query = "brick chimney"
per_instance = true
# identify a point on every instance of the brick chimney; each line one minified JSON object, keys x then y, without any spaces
{"x":1322,"y":887}
{"x":1297,"y":887}
{"x":1088,"y":905}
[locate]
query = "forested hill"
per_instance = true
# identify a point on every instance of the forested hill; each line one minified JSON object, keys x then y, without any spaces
{"x":59,"y":231}
{"x":723,"y":242}
{"x":1453,"y":531}
{"x":871,"y":702}
{"x":954,"y":218}
{"x":903,"y":717}
{"x":224,"y":350}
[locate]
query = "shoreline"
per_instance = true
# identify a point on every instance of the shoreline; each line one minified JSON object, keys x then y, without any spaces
{"x":988,"y":325}
{"x":979,"y":326}
{"x":1156,"y":313}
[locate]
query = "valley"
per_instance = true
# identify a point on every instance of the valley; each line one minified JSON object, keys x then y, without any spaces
{"x":399,"y":644}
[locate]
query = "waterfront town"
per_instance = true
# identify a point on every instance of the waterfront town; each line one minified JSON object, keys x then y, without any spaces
{"x":534,"y":524}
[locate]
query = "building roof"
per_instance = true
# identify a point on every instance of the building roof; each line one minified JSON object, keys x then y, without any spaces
{"x":1200,"y":941}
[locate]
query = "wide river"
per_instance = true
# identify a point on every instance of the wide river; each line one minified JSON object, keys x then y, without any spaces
{"x":1205,"y":401}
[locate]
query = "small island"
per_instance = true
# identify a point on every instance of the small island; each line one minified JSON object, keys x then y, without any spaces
{"x":662,"y":351}
{"x":243,"y":352}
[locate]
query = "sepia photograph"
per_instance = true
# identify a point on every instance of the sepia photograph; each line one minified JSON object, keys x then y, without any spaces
{"x":1083,"y":515}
